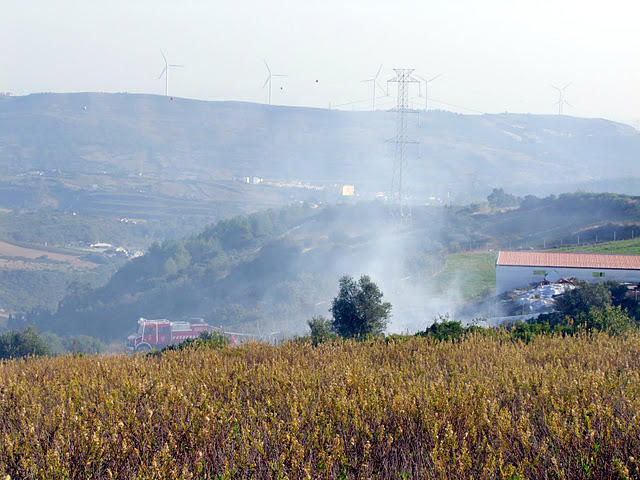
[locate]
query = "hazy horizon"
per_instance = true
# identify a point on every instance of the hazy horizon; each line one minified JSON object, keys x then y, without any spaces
{"x":493,"y":57}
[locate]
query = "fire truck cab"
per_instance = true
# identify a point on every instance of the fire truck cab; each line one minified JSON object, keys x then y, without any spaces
{"x":157,"y":334}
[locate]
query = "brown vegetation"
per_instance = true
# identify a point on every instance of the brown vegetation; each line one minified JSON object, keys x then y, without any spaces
{"x":485,"y":407}
{"x":16,"y":257}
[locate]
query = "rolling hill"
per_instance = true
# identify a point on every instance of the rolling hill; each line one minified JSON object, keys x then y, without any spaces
{"x":132,"y":170}
{"x":191,"y":140}
{"x":272,"y":270}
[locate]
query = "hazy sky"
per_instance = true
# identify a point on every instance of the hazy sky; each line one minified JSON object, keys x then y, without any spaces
{"x":494,"y":55}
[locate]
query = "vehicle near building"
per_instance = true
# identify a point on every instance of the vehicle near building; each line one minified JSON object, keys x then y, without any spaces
{"x":158,"y":333}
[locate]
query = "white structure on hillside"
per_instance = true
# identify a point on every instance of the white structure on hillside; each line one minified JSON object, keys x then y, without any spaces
{"x":519,"y":269}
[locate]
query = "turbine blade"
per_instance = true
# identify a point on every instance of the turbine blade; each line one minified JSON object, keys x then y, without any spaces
{"x":379,"y":70}
{"x":181,"y":66}
{"x":279,"y":75}
{"x":267,"y":65}
{"x":566,"y":85}
{"x":266,"y":81}
{"x":433,"y":78}
{"x":165,"y":58}
{"x":162,"y":73}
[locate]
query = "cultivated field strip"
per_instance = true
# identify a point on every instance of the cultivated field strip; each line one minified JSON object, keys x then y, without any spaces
{"x":486,"y":407}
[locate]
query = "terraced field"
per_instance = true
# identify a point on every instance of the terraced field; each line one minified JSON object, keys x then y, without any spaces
{"x":17,"y":257}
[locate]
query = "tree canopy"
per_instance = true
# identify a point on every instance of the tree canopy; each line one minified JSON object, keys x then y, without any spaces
{"x":358,"y":310}
{"x":498,"y":198}
{"x":14,"y":344}
{"x":585,"y":297}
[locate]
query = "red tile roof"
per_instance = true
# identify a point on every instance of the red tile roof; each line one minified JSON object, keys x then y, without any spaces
{"x":569,"y":260}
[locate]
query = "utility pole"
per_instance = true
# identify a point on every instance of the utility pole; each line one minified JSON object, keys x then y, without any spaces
{"x":403,"y":78}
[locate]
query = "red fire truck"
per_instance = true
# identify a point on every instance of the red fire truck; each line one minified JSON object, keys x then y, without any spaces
{"x":156,"y":334}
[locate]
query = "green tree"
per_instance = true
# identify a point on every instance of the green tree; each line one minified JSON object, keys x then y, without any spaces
{"x":15,"y":344}
{"x":608,"y":319}
{"x":498,"y":198}
{"x":321,"y":329}
{"x":583,"y":298}
{"x":358,"y":309}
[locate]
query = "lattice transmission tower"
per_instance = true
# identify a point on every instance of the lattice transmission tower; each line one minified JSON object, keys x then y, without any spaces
{"x":404,"y":79}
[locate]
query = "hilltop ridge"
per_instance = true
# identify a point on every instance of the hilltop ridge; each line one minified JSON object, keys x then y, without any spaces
{"x":129,"y":134}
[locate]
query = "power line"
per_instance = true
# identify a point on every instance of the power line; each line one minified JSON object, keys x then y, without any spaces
{"x":374,"y":82}
{"x":404,"y":79}
{"x":455,"y":106}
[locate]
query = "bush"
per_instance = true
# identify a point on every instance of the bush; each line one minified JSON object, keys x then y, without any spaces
{"x":583,"y":298}
{"x":206,"y":340}
{"x":72,"y":344}
{"x":444,"y":329}
{"x":613,"y":320}
{"x":16,"y":344}
{"x":321,"y":329}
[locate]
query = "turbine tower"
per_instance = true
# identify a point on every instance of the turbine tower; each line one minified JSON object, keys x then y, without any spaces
{"x":374,"y":81}
{"x":426,"y":89}
{"x":403,"y":78}
{"x":269,"y":77}
{"x":165,"y":72}
{"x":561,"y":100}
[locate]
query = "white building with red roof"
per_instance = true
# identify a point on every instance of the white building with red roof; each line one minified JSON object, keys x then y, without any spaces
{"x":520,"y":269}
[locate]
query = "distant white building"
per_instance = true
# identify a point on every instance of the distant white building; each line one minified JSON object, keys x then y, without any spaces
{"x":348,"y":190}
{"x":520,"y":269}
{"x":99,"y":246}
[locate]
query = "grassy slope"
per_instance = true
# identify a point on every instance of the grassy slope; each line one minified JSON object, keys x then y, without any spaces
{"x":620,"y":247}
{"x":473,"y":272}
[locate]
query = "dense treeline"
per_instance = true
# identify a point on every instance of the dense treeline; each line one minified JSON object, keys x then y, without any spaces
{"x":27,"y":342}
{"x":179,"y":278}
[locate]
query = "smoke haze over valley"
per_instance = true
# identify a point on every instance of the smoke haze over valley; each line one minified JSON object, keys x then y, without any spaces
{"x":338,"y":239}
{"x":131,"y":170}
{"x":210,"y":201}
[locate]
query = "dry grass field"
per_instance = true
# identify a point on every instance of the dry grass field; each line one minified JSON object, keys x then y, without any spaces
{"x":17,"y":257}
{"x":486,"y":407}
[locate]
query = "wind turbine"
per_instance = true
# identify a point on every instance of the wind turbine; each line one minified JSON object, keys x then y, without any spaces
{"x":426,"y":88}
{"x":269,"y":77}
{"x":561,"y":101}
{"x":165,"y":72}
{"x":374,"y":81}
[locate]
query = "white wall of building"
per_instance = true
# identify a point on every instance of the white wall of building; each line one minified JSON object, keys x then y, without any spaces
{"x":509,"y":277}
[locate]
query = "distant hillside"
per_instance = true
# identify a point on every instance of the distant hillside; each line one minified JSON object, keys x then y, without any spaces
{"x":124,"y":134}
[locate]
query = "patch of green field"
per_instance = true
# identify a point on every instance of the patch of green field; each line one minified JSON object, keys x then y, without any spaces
{"x":620,"y":246}
{"x":474,"y":274}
